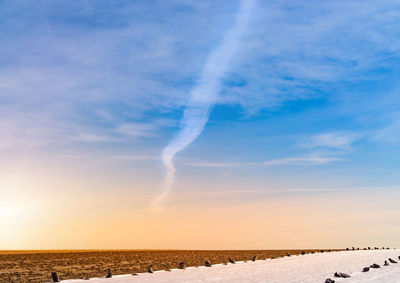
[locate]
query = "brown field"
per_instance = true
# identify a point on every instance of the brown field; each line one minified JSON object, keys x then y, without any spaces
{"x":36,"y":266}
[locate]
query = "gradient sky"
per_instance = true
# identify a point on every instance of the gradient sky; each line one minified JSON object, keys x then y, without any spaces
{"x":300,"y":151}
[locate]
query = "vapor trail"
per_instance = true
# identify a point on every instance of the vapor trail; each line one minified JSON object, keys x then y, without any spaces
{"x":204,"y":95}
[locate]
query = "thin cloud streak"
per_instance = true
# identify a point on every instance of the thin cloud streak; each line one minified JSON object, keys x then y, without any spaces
{"x":282,"y":161}
{"x":67,"y":73}
{"x":204,"y":95}
{"x":338,"y":140}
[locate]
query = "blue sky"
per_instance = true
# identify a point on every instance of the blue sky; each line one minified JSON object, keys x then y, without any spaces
{"x":308,"y":102}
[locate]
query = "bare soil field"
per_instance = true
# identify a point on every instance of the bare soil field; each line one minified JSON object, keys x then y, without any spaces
{"x":36,"y":266}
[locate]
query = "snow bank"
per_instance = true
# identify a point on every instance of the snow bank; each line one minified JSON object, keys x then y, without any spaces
{"x":307,"y":268}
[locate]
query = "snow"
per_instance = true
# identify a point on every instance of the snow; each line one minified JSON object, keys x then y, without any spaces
{"x":307,"y":268}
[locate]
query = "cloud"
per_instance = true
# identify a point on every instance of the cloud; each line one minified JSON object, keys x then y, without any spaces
{"x":337,"y":140}
{"x":282,"y":161}
{"x":88,"y":74}
{"x":93,"y":138}
{"x":302,"y":160}
{"x":126,"y":130}
{"x":138,"y":157}
{"x":214,"y":164}
{"x":305,"y":51}
{"x":389,"y":133}
{"x":135,"y":130}
{"x":205,"y":93}
{"x":95,"y":70}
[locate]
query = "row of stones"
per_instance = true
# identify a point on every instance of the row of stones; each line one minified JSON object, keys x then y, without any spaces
{"x":56,"y":278}
{"x":365,"y":269}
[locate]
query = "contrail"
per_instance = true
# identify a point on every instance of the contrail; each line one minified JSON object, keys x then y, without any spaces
{"x":204,"y":95}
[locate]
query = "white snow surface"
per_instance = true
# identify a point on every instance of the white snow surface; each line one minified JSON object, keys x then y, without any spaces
{"x":307,"y":268}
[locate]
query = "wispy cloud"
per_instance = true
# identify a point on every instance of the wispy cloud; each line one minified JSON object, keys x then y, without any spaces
{"x":135,"y":129}
{"x":282,"y":161}
{"x":214,"y":164}
{"x":138,"y":157}
{"x":125,"y":131}
{"x":390,"y":132}
{"x":205,"y":93}
{"x":93,"y":138}
{"x":96,"y":75}
{"x":302,"y":160}
{"x":310,"y":47}
{"x":338,"y":140}
{"x":55,"y":58}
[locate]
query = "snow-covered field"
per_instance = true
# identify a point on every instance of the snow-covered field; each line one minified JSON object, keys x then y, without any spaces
{"x":307,"y":268}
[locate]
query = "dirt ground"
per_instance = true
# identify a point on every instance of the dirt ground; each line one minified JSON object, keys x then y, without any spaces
{"x":36,"y":266}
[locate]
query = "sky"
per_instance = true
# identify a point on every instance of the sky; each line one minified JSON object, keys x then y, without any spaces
{"x":290,"y":113}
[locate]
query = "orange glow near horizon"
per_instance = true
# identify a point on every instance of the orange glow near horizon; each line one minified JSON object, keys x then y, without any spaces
{"x":49,"y":210}
{"x":199,"y":220}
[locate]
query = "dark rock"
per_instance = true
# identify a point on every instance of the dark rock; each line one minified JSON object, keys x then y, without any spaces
{"x":231,"y":260}
{"x":288,"y":254}
{"x":322,"y":251}
{"x":303,"y":252}
{"x":208,"y":264}
{"x":254,"y":258}
{"x":346,"y":250}
{"x":392,"y":260}
{"x":329,"y":251}
{"x":54,"y":276}
{"x":182,"y":265}
{"x":341,"y":275}
{"x":109,"y":273}
{"x":399,"y":257}
{"x":386,"y":263}
{"x":312,"y":252}
{"x":358,"y":249}
{"x":375,"y":266}
{"x":369,"y":248}
{"x":365,"y":269}
{"x":353,"y":248}
{"x":150,"y":269}
{"x":329,"y":280}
